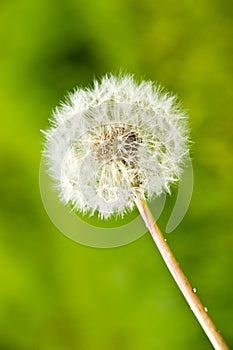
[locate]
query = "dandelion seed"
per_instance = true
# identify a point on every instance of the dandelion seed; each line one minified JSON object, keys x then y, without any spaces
{"x":119,"y":137}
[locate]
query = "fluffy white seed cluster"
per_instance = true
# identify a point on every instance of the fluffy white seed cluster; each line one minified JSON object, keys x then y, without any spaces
{"x":119,"y":137}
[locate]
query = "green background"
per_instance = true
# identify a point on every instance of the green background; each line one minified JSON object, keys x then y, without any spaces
{"x":54,"y":293}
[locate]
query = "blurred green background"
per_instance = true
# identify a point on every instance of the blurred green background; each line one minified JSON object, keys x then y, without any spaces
{"x":54,"y":293}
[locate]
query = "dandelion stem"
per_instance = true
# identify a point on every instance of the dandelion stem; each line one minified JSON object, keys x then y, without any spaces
{"x":189,"y":293}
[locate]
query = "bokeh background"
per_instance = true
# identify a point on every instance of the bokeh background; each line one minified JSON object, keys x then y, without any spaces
{"x":54,"y":293}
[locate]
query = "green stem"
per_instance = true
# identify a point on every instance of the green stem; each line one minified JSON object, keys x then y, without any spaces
{"x":189,"y":293}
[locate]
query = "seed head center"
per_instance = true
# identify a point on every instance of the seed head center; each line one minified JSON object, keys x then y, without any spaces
{"x":117,"y":143}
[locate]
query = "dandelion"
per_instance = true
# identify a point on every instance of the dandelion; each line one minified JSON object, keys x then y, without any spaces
{"x":115,"y":146}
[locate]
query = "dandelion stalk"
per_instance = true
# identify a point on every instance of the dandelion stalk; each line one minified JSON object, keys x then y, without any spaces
{"x":181,"y":280}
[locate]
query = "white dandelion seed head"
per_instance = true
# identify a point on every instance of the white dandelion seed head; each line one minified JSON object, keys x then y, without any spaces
{"x":119,"y":137}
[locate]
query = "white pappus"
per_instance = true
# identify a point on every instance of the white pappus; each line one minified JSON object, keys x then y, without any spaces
{"x":119,"y":137}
